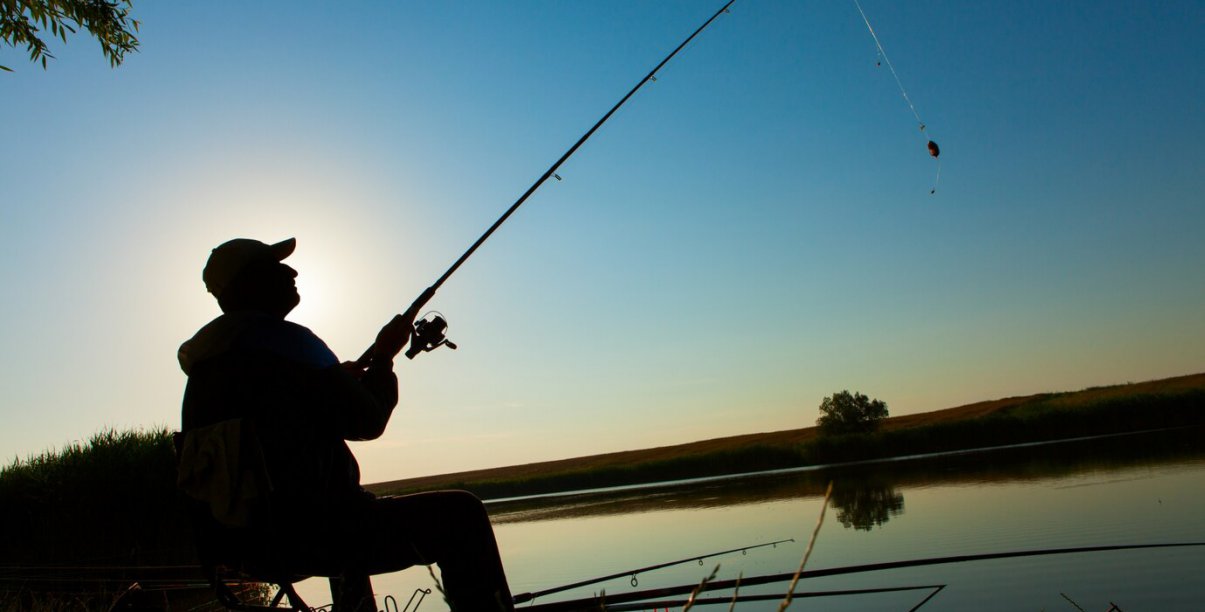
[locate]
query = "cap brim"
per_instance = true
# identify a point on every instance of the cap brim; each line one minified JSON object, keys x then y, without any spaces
{"x":283,"y":249}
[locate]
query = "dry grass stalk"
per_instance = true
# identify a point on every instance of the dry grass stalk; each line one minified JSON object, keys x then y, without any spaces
{"x":690,"y":602}
{"x":736,"y":591}
{"x":786,"y":601}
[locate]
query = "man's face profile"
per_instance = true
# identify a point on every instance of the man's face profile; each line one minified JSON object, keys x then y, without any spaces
{"x":265,"y":285}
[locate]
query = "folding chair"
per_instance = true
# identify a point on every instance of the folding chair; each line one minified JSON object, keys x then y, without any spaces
{"x":231,"y":556}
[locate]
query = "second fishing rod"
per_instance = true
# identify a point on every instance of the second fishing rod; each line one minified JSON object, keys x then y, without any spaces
{"x":430,"y":332}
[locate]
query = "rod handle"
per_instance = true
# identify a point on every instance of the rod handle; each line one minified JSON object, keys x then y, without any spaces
{"x":410,"y":314}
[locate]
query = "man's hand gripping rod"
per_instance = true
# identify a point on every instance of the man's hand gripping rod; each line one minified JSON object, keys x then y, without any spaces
{"x":428,"y":335}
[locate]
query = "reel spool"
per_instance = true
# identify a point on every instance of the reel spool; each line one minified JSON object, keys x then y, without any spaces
{"x":430,"y":333}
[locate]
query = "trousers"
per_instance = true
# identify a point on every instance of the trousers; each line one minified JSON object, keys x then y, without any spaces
{"x":387,"y":534}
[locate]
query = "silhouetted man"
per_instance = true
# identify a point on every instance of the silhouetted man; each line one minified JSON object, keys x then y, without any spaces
{"x":268,"y":408}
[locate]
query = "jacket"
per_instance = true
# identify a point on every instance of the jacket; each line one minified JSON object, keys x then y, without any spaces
{"x":302,"y":406}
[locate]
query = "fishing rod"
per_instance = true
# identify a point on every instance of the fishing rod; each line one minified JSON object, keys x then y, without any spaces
{"x":713,"y":601}
{"x":524,"y":597}
{"x":645,"y":595}
{"x":430,"y":334}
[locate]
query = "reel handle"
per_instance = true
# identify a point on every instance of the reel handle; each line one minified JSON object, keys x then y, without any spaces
{"x":429,"y":334}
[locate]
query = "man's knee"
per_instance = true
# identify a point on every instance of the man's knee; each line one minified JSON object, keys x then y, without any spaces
{"x":463,"y":504}
{"x":448,"y":508}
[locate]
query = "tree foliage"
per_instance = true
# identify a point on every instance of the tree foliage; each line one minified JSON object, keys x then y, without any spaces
{"x":23,"y":22}
{"x":843,"y":413}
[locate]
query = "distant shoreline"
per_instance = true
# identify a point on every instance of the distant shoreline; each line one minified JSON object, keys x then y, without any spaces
{"x":843,"y":465}
{"x":1046,"y":417}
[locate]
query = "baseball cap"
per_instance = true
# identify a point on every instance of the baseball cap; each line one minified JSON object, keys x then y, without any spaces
{"x":230,"y":257}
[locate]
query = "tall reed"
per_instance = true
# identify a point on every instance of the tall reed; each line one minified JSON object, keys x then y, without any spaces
{"x":109,"y":500}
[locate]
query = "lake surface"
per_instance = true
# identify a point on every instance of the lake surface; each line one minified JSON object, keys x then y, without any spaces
{"x":1140,"y":489}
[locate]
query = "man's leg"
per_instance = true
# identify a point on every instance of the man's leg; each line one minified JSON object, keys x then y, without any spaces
{"x":449,"y":528}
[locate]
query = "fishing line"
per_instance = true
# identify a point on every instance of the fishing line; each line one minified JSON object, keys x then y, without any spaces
{"x":890,"y":66}
{"x":934,"y":151}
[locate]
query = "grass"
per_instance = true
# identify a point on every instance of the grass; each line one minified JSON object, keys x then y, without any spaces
{"x":111,"y":499}
{"x":89,"y":517}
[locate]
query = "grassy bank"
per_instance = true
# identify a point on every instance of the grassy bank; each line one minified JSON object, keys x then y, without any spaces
{"x":1172,"y":402}
{"x":110,"y":499}
{"x":1045,"y":418}
{"x":80,"y":525}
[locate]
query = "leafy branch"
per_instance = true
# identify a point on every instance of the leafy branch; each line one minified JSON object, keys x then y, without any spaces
{"x":24,"y":23}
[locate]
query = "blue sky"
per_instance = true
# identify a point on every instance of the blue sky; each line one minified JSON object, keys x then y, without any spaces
{"x":751,"y":233}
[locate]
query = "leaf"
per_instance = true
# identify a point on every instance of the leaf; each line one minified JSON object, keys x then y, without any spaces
{"x":6,"y":68}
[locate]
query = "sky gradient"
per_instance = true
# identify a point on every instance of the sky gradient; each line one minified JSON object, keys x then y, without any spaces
{"x":750,"y":233}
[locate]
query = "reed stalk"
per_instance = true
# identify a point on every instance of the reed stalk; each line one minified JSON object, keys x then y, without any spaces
{"x":736,"y":591}
{"x":786,"y":601}
{"x":690,"y":602}
{"x":439,"y":586}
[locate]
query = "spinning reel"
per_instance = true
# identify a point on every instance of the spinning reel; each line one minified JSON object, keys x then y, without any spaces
{"x":430,"y":333}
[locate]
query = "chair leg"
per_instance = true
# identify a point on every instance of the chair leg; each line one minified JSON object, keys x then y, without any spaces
{"x":294,"y":599}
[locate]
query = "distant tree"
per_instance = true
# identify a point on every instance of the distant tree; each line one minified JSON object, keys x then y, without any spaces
{"x":843,"y":413}
{"x":22,"y":22}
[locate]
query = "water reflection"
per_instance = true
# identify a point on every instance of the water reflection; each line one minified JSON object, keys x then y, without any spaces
{"x":864,"y":505}
{"x":867,"y":495}
{"x":1123,"y":490}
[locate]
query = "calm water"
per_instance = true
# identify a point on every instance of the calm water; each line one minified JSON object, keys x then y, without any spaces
{"x":1128,"y":490}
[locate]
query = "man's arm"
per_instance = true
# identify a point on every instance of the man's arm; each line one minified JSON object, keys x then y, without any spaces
{"x":371,"y":384}
{"x":363,"y":401}
{"x":395,"y":334}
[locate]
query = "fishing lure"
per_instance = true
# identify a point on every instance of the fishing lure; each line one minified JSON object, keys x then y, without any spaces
{"x":934,"y":150}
